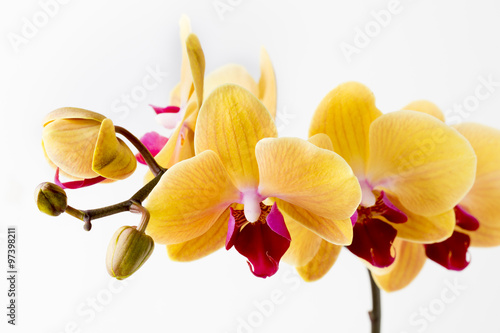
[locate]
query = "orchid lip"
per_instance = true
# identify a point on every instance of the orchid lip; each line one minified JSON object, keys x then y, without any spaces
{"x":373,"y":236}
{"x":167,"y":109}
{"x":263,"y":242}
{"x":154,"y":142}
{"x":465,"y":220}
{"x":451,"y":253}
{"x":77,"y":183}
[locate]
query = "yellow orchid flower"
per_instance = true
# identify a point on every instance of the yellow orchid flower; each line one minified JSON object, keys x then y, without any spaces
{"x":477,"y":222}
{"x":217,"y":197}
{"x":406,"y":163}
{"x":82,"y":144}
{"x":187,"y":97}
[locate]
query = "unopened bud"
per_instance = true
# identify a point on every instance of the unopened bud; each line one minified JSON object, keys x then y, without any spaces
{"x":51,"y":199}
{"x":128,"y":249}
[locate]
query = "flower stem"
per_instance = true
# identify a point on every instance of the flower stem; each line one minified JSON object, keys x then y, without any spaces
{"x":137,"y":208}
{"x":146,"y":154}
{"x":131,"y":204}
{"x":376,"y":312}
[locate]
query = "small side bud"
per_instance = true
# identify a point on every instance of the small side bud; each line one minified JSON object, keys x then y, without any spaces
{"x":128,"y":250}
{"x":51,"y":199}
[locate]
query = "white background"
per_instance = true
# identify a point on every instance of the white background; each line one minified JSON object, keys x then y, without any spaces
{"x":91,"y":52}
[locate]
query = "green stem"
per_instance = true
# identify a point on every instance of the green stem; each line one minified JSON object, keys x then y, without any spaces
{"x":131,"y":204}
{"x":138,"y":208}
{"x":146,"y":154}
{"x":376,"y":312}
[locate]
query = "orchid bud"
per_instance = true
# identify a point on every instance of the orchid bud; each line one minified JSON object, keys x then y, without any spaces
{"x":128,"y":250}
{"x":51,"y":199}
{"x":83,"y":145}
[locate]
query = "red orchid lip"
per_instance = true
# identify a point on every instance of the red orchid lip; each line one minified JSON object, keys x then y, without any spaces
{"x":263,"y":242}
{"x":451,"y":253}
{"x":372,"y":237}
{"x":465,"y":220}
{"x":77,"y":183}
{"x":154,"y":142}
{"x":372,"y":241}
{"x":167,"y":109}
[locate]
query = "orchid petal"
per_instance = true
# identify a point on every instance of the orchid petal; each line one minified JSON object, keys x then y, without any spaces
{"x":72,"y":113}
{"x":424,"y":229}
{"x":482,"y":201}
{"x":189,"y":199}
{"x":112,"y":157}
{"x":335,"y":231}
{"x":267,"y":83}
{"x":69,"y":144}
{"x":197,"y":65}
{"x":309,"y":177}
{"x":203,"y":245}
{"x":322,"y":141}
{"x":321,"y":263}
{"x":304,"y":246}
{"x":345,"y":115}
{"x":414,"y":156}
{"x":410,"y":259}
{"x":231,"y":122}
{"x":425,"y":107}
{"x":230,"y":73}
{"x":186,"y":77}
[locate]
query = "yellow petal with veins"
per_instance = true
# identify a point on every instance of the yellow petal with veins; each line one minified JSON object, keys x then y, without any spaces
{"x":312,"y":178}
{"x":267,"y":83}
{"x":304,"y":245}
{"x":203,"y":245}
{"x":230,"y":73}
{"x":424,"y":229}
{"x":231,"y":122}
{"x":335,"y":231}
{"x":321,"y":263}
{"x":72,"y":113}
{"x":69,"y":144}
{"x":186,"y":77}
{"x":426,"y":164}
{"x":425,"y":107}
{"x":410,"y":258}
{"x":483,"y":199}
{"x":189,"y":199}
{"x":322,"y":141}
{"x":345,"y":115}
{"x":196,"y":64}
{"x":112,"y":157}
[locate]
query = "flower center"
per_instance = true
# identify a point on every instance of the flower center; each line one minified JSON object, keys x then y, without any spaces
{"x":367,"y":197}
{"x":263,"y":243}
{"x":251,"y":201}
{"x":373,"y":235}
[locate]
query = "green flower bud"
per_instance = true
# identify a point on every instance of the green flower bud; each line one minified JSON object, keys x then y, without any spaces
{"x":128,"y":249}
{"x":51,"y":199}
